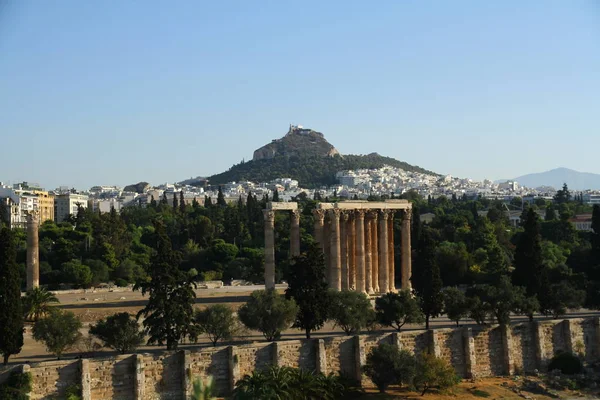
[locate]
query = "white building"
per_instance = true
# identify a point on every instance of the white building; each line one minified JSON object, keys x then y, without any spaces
{"x":67,"y":204}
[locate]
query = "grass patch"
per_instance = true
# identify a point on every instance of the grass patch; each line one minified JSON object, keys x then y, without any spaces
{"x":479,"y":393}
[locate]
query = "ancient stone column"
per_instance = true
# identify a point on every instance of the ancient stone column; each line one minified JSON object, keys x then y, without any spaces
{"x":319,"y":217}
{"x":374,"y":253}
{"x":368,"y":246}
{"x":327,"y":247}
{"x":295,"y":234}
{"x":391,"y":259}
{"x":344,"y":249}
{"x":335,"y":281}
{"x":406,"y":250}
{"x":269,"y":248}
{"x":352,"y":252}
{"x":383,"y":251}
{"x":33,"y":251}
{"x":359,"y":217}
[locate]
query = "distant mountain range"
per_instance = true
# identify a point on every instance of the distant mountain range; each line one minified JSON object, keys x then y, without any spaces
{"x":557,"y":177}
{"x":306,"y":156}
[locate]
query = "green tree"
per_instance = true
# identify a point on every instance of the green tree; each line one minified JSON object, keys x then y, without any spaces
{"x":502,"y":298}
{"x":119,"y":331}
{"x":387,"y":365}
{"x":269,"y":313}
{"x":175,"y":202}
{"x":434,"y":372}
{"x":99,"y":270}
{"x":169,"y":311}
{"x":550,"y":212}
{"x":453,"y":261}
{"x":59,"y":331}
{"x":11,"y":313}
{"x":595,"y":243}
{"x":564,"y":297}
{"x":181,"y":203}
{"x":456,"y":305}
{"x":426,"y":278}
{"x":563,"y":195}
{"x":221,"y":199}
{"x":307,"y":286}
{"x":398,"y":309}
{"x":217,"y":322}
{"x":76,"y":273}
{"x":351,"y":311}
{"x":529,"y":271}
{"x":528,"y":307}
{"x":37,"y":303}
{"x":276,"y":196}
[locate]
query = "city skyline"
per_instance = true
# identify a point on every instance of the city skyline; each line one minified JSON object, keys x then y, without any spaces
{"x":162,"y":94}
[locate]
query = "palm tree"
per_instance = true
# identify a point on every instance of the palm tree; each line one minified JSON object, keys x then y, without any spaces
{"x":36,"y":303}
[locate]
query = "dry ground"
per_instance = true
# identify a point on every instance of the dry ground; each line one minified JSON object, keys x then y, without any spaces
{"x":489,"y":388}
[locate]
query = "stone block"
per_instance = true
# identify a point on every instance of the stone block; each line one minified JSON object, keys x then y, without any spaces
{"x":321,"y":362}
{"x":469,"y":351}
{"x":360,"y":358}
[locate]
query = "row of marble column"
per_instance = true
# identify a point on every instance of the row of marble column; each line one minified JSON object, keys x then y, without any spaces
{"x":359,"y":248}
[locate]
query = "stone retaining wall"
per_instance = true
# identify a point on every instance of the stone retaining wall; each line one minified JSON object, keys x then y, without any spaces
{"x":474,"y":352}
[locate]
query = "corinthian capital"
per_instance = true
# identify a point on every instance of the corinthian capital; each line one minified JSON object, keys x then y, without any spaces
{"x":319,"y":214}
{"x":269,"y":215}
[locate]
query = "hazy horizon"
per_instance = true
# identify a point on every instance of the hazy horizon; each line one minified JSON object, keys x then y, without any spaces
{"x":100,"y":93}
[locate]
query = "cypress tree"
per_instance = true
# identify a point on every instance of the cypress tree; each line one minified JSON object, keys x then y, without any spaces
{"x":221,"y":199}
{"x":207,"y":202}
{"x":181,"y":203}
{"x":175,"y":202}
{"x":169,"y":311}
{"x":550,"y":212}
{"x":152,"y":202}
{"x":595,"y":235}
{"x":164,"y":199}
{"x":308,"y":288}
{"x":4,"y":214}
{"x":427,"y":280}
{"x":529,"y":271}
{"x":276,"y":196}
{"x":195,"y":203}
{"x":415,"y":227}
{"x":11,"y":313}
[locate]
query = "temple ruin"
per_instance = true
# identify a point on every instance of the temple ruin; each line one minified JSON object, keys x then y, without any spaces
{"x":357,"y":239}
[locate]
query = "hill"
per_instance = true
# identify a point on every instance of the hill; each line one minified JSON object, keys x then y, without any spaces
{"x":298,"y":141}
{"x":556,"y":177}
{"x":306,"y":156}
{"x":139,"y":187}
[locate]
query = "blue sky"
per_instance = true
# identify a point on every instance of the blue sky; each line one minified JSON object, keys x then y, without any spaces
{"x":115,"y":92}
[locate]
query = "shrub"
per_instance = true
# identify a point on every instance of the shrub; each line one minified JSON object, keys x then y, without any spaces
{"x":17,"y":386}
{"x":121,"y":282}
{"x":203,"y":389}
{"x":387,"y":365}
{"x":217,"y":322}
{"x":434,"y":372}
{"x":119,"y":331}
{"x":268,"y":312}
{"x":59,"y":331}
{"x":290,"y":384}
{"x":351,"y":311}
{"x":566,"y":363}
